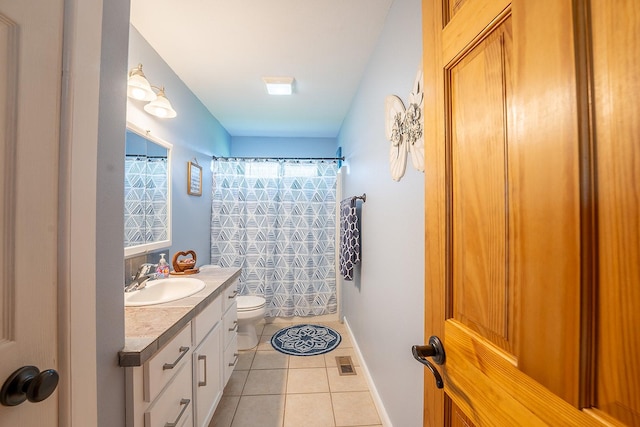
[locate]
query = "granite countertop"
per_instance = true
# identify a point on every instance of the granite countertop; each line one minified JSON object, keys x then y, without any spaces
{"x":148,"y":328}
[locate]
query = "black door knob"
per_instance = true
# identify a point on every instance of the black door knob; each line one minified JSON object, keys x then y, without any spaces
{"x":28,"y":383}
{"x":434,"y":349}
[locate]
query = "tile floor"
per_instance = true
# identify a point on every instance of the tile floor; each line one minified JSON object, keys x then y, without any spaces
{"x":271,"y":389}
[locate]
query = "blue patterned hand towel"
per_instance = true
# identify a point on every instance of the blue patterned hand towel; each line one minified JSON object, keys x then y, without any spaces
{"x":349,"y":238}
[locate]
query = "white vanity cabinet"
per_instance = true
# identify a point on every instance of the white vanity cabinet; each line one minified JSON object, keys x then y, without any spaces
{"x":182,"y":383}
{"x":159,"y":392}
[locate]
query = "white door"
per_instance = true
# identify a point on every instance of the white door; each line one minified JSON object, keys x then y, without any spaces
{"x":30,"y":80}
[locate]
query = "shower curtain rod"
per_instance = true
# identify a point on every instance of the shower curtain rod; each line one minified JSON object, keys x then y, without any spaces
{"x":278,"y":158}
{"x":145,"y":156}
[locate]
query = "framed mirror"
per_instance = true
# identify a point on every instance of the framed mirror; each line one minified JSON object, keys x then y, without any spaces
{"x":147,"y":192}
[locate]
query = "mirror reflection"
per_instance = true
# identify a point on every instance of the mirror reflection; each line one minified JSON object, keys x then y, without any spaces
{"x":147,"y":198}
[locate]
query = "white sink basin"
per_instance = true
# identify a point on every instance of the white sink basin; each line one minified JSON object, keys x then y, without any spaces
{"x":163,"y":290}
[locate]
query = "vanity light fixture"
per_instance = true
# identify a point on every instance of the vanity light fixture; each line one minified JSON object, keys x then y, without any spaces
{"x":279,"y":85}
{"x":139,"y":88}
{"x":160,"y":107}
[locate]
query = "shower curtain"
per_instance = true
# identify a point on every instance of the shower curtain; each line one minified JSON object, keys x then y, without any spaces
{"x":276,"y":220}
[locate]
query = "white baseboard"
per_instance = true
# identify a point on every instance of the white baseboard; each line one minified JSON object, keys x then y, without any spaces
{"x":309,"y":319}
{"x":384,"y":417}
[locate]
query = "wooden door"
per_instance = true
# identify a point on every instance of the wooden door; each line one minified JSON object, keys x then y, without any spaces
{"x":616,"y":89}
{"x":532,"y":211}
{"x":30,"y":79}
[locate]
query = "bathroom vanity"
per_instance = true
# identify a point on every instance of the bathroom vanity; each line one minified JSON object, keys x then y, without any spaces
{"x":178,"y":356}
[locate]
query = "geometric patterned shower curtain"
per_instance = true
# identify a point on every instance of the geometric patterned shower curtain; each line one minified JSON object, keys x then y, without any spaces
{"x":277,"y":221}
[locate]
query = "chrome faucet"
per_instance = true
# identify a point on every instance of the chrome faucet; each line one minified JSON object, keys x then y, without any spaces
{"x":145,"y":273}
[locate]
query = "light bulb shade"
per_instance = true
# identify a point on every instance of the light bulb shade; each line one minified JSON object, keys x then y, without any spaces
{"x":138,"y":86}
{"x":161,"y":107}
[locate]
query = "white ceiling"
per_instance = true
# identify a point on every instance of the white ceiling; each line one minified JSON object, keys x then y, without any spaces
{"x":222,"y":49}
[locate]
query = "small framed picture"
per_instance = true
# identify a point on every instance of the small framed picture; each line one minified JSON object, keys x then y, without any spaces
{"x":194,"y":179}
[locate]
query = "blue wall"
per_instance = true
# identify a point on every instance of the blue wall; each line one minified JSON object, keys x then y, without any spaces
{"x":384,"y":304}
{"x":194,"y":133}
{"x":283,"y":147}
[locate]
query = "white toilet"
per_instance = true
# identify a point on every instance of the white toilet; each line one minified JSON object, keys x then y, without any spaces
{"x":251,"y":310}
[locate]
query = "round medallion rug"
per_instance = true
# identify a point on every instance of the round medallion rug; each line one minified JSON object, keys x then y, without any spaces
{"x":305,"y":340}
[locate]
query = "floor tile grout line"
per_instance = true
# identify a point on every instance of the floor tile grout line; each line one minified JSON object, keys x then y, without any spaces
{"x":333,"y":411}
{"x":235,"y":411}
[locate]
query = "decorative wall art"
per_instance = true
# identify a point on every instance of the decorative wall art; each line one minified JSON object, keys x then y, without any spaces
{"x":404,"y":128}
{"x":194,"y":178}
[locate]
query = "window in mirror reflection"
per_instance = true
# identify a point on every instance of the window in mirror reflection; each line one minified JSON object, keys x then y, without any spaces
{"x":146,"y":212}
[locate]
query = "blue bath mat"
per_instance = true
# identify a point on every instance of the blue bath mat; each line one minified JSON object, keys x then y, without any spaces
{"x":305,"y":340}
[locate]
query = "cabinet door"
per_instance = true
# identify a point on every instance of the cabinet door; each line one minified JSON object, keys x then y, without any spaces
{"x":207,"y":382}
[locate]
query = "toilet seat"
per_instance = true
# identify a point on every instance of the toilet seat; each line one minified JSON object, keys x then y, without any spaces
{"x":250,"y":303}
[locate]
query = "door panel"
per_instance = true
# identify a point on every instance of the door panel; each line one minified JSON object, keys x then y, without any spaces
{"x":617,"y":86}
{"x":8,"y":83}
{"x":494,"y":392}
{"x":482,"y":297}
{"x":469,"y":22}
{"x":458,"y":418}
{"x":546,"y":223}
{"x":30,"y":79}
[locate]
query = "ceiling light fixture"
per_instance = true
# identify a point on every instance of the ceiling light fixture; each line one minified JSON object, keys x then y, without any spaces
{"x":279,"y":85}
{"x":139,"y":88}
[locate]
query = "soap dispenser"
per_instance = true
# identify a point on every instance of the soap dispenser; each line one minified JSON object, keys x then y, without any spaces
{"x":163,"y":268}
